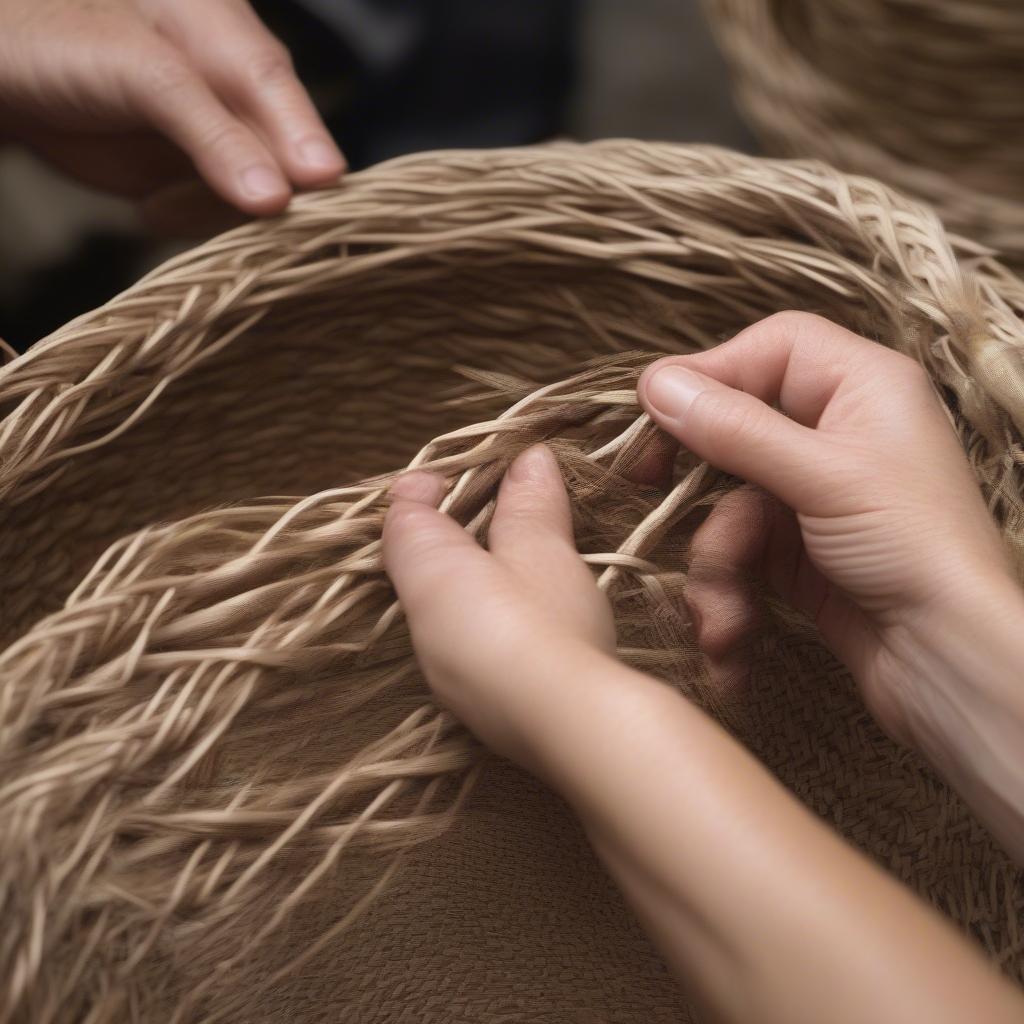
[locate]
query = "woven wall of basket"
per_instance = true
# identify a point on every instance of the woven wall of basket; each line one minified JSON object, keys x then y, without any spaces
{"x":926,"y":95}
{"x":225,"y":793}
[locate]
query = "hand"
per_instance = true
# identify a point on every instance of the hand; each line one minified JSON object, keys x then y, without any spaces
{"x":875,"y":528}
{"x":488,"y":626}
{"x":124,"y":94}
{"x":517,"y":641}
{"x":878,"y":522}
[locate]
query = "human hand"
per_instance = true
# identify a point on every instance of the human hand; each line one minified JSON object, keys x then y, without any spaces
{"x":875,"y":528}
{"x":878,"y":524}
{"x":125,"y":94}
{"x":517,"y":641}
{"x":489,"y":627}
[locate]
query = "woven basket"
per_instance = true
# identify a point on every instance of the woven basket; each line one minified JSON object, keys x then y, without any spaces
{"x":926,"y":95}
{"x":224,"y":791}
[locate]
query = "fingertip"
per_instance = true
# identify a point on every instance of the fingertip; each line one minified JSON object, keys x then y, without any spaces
{"x":418,"y":486}
{"x":317,"y":162}
{"x":425,"y":553}
{"x":413,"y":528}
{"x":407,"y":525}
{"x":649,"y":372}
{"x":405,"y":513}
{"x":670,"y":389}
{"x":262,"y":191}
{"x":653,"y":368}
{"x":532,"y":503}
{"x":537,"y":464}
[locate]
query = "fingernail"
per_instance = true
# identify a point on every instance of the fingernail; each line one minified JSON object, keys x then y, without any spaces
{"x":321,"y":155}
{"x":672,"y":389}
{"x":261,"y":182}
{"x":533,"y":464}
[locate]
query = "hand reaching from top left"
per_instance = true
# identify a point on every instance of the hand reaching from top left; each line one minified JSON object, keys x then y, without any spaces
{"x":130,"y":95}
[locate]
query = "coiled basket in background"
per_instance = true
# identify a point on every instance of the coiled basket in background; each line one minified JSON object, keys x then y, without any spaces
{"x":225,"y":794}
{"x":926,"y":95}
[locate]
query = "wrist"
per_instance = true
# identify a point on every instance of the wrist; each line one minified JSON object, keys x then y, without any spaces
{"x":971,"y":641}
{"x":957,"y":682}
{"x":566,"y":714}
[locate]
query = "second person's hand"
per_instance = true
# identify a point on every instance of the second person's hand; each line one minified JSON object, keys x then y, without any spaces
{"x":130,"y":95}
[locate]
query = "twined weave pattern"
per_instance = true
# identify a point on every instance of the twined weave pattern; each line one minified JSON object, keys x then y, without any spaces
{"x":926,"y":95}
{"x":225,"y":793}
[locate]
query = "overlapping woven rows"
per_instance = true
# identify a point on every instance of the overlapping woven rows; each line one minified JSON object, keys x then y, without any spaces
{"x":225,"y":794}
{"x":926,"y":95}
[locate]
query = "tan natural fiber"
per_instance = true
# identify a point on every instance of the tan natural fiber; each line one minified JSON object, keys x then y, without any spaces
{"x":927,"y":95}
{"x":215,"y":749}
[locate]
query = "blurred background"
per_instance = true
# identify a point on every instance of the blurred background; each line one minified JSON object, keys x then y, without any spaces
{"x":392,"y":77}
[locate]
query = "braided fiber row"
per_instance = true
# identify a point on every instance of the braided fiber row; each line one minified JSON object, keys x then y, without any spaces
{"x":225,"y":793}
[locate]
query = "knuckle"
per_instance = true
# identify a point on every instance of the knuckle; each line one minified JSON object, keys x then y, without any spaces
{"x":412,"y":520}
{"x":269,"y":64}
{"x":882,"y":363}
{"x":168,"y":73}
{"x":737,"y":423}
{"x":794,"y":323}
{"x":415,"y":534}
{"x":223,"y":136}
{"x":526,"y":505}
{"x":911,"y":370}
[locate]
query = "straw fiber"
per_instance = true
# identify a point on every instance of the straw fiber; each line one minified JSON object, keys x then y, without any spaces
{"x":225,"y":793}
{"x":926,"y":95}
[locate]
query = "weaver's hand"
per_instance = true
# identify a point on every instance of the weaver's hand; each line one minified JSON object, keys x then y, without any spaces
{"x":488,"y":626}
{"x":702,"y":840}
{"x":876,"y":529}
{"x":125,"y":94}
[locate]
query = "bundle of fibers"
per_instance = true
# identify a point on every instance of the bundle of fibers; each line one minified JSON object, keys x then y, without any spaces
{"x":225,"y":792}
{"x":925,"y":95}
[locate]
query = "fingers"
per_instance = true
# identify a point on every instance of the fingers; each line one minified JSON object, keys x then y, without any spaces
{"x":426,"y":488}
{"x":444,"y":578}
{"x":726,"y":551}
{"x":652,"y":467}
{"x":174,"y":98}
{"x":531,"y":531}
{"x":824,"y":379}
{"x":794,"y":360}
{"x":252,"y":71}
{"x":425,"y":551}
{"x":532,"y":521}
{"x":732,"y":430}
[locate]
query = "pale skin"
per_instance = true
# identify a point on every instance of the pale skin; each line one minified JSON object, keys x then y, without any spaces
{"x":146,"y":97}
{"x":874,"y":527}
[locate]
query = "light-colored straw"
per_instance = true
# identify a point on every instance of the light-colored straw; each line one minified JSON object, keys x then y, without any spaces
{"x":926,"y":95}
{"x":225,"y":794}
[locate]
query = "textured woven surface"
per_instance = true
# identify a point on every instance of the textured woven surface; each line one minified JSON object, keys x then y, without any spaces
{"x":215,"y":745}
{"x":927,"y":95}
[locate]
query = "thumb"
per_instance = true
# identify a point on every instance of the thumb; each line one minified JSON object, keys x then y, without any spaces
{"x":425,"y":551}
{"x":732,"y":430}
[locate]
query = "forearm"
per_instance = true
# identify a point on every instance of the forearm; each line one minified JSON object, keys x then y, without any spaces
{"x":763,"y":912}
{"x":963,"y":701}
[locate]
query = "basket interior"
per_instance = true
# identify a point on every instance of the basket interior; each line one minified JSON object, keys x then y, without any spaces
{"x":342,"y":376}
